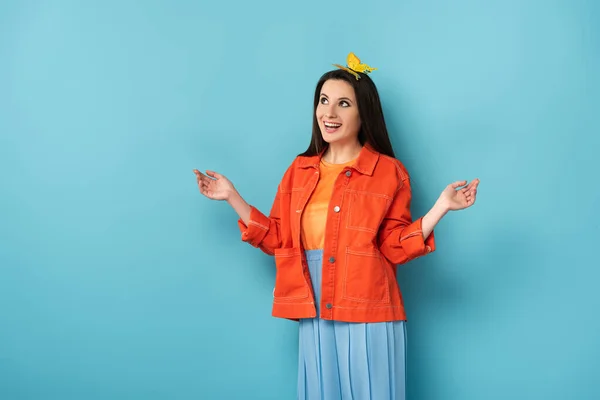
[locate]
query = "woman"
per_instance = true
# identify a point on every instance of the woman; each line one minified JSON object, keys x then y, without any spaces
{"x":339,"y":226}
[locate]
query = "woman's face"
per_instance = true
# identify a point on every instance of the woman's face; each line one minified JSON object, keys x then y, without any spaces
{"x":337,"y":112}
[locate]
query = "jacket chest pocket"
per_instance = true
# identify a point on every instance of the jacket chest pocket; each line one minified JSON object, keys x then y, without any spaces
{"x":366,"y":210}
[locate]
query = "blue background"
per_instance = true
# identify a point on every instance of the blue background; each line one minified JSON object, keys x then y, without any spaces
{"x":118,"y":280}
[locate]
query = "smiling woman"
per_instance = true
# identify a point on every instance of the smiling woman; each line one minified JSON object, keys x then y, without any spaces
{"x":339,"y":226}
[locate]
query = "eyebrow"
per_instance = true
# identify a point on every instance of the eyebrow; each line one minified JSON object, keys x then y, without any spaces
{"x":341,"y":98}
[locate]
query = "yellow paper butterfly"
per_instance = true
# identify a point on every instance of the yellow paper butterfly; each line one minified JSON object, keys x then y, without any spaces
{"x":354,"y":66}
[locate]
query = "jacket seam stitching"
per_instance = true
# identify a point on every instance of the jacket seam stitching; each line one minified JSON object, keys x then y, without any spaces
{"x":415,"y":233}
{"x":258,"y":224}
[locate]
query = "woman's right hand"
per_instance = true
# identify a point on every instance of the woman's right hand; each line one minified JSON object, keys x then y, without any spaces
{"x":214,"y":186}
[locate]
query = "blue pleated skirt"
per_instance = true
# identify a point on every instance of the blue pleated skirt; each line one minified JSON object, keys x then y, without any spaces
{"x":341,"y":360}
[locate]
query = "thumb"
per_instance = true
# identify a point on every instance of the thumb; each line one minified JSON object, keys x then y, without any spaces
{"x":214,"y":174}
{"x":457,"y":184}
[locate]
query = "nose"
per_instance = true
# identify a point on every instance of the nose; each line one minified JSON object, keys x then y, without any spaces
{"x":330,"y":111}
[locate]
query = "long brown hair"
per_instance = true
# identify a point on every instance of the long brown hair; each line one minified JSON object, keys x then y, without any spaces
{"x":373,"y":130}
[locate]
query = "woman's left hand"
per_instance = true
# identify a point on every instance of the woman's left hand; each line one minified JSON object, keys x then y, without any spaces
{"x":457,"y":196}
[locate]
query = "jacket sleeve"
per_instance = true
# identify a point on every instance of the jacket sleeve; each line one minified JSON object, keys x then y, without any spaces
{"x":400,"y":238}
{"x":263,"y":232}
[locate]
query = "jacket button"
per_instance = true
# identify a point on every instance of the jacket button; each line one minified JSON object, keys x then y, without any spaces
{"x":336,"y":208}
{"x":328,"y":305}
{"x":331,"y":259}
{"x":348,"y":173}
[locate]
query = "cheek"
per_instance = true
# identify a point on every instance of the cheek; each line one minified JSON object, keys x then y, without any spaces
{"x":319,"y":113}
{"x":353,"y":121}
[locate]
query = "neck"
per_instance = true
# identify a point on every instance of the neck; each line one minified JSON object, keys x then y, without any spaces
{"x":340,"y":153}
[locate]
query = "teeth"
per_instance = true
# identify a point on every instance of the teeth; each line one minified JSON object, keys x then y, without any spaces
{"x":330,"y":125}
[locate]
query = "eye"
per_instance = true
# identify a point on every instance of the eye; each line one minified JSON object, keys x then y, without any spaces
{"x":344,"y":103}
{"x":323,"y":100}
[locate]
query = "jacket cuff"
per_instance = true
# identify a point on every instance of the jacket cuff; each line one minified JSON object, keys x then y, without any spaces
{"x":257,"y":227}
{"x":412,"y":240}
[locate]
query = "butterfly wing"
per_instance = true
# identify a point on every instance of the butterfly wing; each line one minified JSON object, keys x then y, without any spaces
{"x":355,"y":64}
{"x":367,"y":69}
{"x":347,"y":70}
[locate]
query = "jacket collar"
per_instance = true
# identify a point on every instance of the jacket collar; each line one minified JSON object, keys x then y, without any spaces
{"x":365,"y":162}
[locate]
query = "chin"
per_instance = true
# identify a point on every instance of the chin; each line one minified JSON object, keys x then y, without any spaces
{"x":328,"y":139}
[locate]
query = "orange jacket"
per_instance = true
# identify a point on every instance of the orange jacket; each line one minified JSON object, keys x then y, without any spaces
{"x":369,"y":231}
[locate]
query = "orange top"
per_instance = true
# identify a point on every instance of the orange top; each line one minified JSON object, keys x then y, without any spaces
{"x":314,"y":216}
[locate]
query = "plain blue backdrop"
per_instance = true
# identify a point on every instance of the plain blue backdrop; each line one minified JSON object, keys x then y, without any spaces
{"x":118,"y":280}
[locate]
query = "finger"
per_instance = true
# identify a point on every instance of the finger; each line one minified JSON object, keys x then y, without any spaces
{"x":204,"y":181}
{"x":202,"y":188}
{"x":476,"y":181}
{"x":470,"y":189}
{"x":200,"y":177}
{"x":201,"y":181}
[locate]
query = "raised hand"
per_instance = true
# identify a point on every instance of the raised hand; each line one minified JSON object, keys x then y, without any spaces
{"x":214,"y":186}
{"x":457,"y":196}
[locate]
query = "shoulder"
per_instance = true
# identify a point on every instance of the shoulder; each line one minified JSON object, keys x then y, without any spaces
{"x":392,"y":168}
{"x":297,"y":163}
{"x":291,"y":172}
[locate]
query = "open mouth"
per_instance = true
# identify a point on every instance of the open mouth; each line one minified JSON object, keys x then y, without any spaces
{"x":331,"y":127}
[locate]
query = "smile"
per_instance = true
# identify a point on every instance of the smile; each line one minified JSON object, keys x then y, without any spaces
{"x":331,"y":127}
